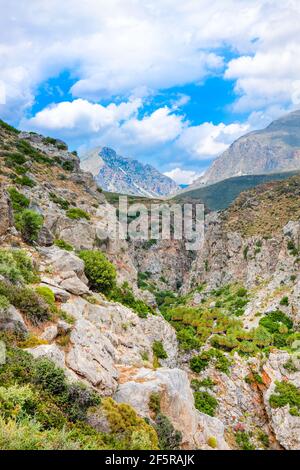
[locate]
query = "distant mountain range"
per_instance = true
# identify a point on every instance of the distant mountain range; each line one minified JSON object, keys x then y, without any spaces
{"x":123,"y":175}
{"x":271,"y":150}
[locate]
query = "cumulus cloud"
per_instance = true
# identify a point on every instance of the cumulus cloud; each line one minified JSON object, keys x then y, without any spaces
{"x":207,"y":140}
{"x":183,"y":176}
{"x":81,"y":117}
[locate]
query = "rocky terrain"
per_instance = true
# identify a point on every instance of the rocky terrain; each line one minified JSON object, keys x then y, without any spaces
{"x":118,"y":174}
{"x":271,"y":150}
{"x":118,"y":345}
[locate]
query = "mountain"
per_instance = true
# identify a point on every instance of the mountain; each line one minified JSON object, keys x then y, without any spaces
{"x":142,"y":344}
{"x":274,"y":149}
{"x":115,"y":173}
{"x":219,"y":196}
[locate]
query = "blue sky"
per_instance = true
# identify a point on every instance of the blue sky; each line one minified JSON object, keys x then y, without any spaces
{"x":171,"y":83}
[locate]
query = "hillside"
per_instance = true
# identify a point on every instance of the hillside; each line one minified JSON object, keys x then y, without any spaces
{"x":271,"y":150}
{"x":115,"y":173}
{"x":220,"y":195}
{"x":142,"y":345}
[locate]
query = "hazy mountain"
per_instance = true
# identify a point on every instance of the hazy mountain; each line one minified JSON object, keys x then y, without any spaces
{"x":274,"y":149}
{"x":124,"y":175}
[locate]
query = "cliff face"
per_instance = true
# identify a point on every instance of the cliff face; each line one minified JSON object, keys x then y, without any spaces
{"x":221,"y":364}
{"x":271,"y":150}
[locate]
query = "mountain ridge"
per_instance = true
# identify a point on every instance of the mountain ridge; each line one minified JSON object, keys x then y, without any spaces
{"x":125,"y":175}
{"x":273,"y":149}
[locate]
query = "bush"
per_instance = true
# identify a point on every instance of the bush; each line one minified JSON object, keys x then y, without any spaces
{"x":243,"y":440}
{"x":25,"y":181}
{"x":205,"y":403}
{"x":76,"y":213}
{"x":284,"y":301}
{"x":27,"y":301}
{"x":125,"y":296}
{"x":168,"y":437}
{"x":49,"y":377}
{"x":18,"y":200}
{"x":47,"y":295}
{"x":62,"y":203}
{"x":158,"y":350}
{"x":200,"y":362}
{"x":154,"y":403}
{"x":99,"y":271}
{"x":80,"y":399}
{"x":16,"y":266}
{"x":29,"y":224}
{"x":63,"y":245}
{"x":286,"y":393}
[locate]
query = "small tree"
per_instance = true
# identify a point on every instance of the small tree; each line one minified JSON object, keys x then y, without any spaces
{"x":99,"y":271}
{"x":29,"y":224}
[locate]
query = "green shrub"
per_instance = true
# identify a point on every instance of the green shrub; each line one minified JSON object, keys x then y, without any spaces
{"x":50,"y":377}
{"x":286,"y":393}
{"x":80,"y":399}
{"x":68,"y":166}
{"x":284,"y":301}
{"x":18,"y":200}
{"x":212,"y":442}
{"x":168,"y":437}
{"x":25,"y":181}
{"x":61,"y":202}
{"x":200,"y":362}
{"x":4,"y":303}
{"x":243,"y":440}
{"x":76,"y":213}
{"x":16,"y":266}
{"x":205,"y":403}
{"x":29,"y":224}
{"x":17,"y":402}
{"x":14,"y":158}
{"x":27,"y":301}
{"x":205,"y":383}
{"x":158,"y":350}
{"x":154,"y":403}
{"x":99,"y":271}
{"x":47,"y":295}
{"x":125,"y":296}
{"x":63,"y":245}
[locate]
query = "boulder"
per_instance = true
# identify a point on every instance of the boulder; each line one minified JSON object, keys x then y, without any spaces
{"x":12,"y":321}
{"x":50,"y":333}
{"x":74,"y":285}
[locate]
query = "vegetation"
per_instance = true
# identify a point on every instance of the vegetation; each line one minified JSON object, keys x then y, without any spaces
{"x":63,"y":245}
{"x":243,"y":440}
{"x":286,"y":393}
{"x":8,"y":128}
{"x":158,"y":350}
{"x":29,"y":302}
{"x":16,"y":266}
{"x":125,"y":296}
{"x":76,"y":213}
{"x":205,"y":403}
{"x":40,"y":409}
{"x":217,"y":358}
{"x":99,"y":271}
{"x":29,"y":224}
{"x":62,"y":203}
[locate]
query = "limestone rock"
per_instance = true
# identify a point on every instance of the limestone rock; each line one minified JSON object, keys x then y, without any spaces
{"x":50,"y":333}
{"x":74,"y":285}
{"x":177,"y":403}
{"x":12,"y":321}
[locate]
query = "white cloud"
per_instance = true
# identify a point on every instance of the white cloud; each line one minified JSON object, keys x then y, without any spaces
{"x":207,"y":140}
{"x":182,"y":176}
{"x":82,"y":117}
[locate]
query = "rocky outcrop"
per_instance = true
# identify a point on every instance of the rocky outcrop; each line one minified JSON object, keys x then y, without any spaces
{"x":177,"y":403}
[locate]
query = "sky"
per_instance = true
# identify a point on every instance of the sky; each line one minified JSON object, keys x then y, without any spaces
{"x":172,"y":83}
